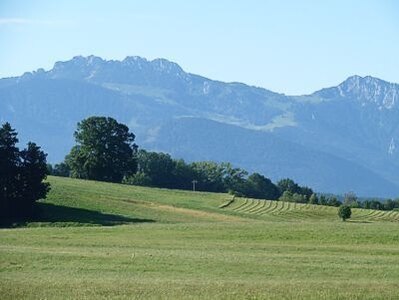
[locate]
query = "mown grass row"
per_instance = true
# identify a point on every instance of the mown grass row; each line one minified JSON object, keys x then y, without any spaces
{"x":301,"y":211}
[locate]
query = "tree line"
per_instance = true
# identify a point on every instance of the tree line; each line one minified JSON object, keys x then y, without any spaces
{"x":105,"y":151}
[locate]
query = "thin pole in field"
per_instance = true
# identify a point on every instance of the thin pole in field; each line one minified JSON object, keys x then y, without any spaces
{"x":194,"y":182}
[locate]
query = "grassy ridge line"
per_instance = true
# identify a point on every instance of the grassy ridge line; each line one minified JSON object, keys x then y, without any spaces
{"x":73,"y":202}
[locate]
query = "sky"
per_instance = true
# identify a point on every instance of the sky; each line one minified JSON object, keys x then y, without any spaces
{"x":291,"y":47}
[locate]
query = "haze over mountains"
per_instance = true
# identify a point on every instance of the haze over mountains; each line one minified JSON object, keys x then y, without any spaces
{"x":338,"y":139}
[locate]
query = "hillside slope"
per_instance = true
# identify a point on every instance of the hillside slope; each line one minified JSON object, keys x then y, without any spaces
{"x":73,"y":202}
{"x":274,"y":155}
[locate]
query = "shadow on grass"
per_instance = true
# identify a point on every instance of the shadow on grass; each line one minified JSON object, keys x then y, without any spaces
{"x":358,"y":221}
{"x":60,"y":216}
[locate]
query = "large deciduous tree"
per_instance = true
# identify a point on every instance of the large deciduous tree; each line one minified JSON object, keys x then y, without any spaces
{"x":105,"y":150}
{"x":261,"y":187}
{"x":158,"y":167}
{"x":289,"y":185}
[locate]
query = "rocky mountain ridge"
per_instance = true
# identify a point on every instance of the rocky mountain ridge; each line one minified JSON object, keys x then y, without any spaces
{"x":355,"y":123}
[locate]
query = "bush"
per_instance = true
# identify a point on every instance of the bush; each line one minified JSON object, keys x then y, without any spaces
{"x":286,"y":196}
{"x":139,"y":178}
{"x":344,"y":212}
{"x":333,"y":201}
{"x":313,"y":199}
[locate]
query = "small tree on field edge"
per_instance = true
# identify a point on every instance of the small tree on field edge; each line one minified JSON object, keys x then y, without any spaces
{"x":344,"y":212}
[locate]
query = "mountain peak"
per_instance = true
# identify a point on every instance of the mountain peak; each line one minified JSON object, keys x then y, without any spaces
{"x":166,"y":66}
{"x":370,"y":90}
{"x":366,"y":90}
{"x":357,"y":81}
{"x":80,"y":61}
{"x":134,"y":70}
{"x":135,"y":58}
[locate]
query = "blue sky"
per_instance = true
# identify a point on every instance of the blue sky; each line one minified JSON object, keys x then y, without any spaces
{"x":292,"y":47}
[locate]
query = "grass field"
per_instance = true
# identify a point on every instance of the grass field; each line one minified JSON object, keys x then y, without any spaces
{"x":98,"y":240}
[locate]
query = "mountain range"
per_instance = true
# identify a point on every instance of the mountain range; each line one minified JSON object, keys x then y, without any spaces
{"x":338,"y":139}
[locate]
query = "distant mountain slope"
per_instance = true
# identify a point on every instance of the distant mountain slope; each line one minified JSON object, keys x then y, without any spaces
{"x":202,"y":139}
{"x":336,"y":139}
{"x":357,"y":120}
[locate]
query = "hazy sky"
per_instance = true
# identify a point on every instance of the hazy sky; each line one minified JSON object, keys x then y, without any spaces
{"x":293,"y":47}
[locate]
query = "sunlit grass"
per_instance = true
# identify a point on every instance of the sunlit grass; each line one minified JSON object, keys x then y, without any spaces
{"x":179,"y":245}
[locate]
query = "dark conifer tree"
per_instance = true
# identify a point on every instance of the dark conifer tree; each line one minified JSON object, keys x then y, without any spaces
{"x":21,"y":175}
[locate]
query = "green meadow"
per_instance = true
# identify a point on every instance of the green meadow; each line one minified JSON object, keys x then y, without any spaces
{"x":97,"y":240}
